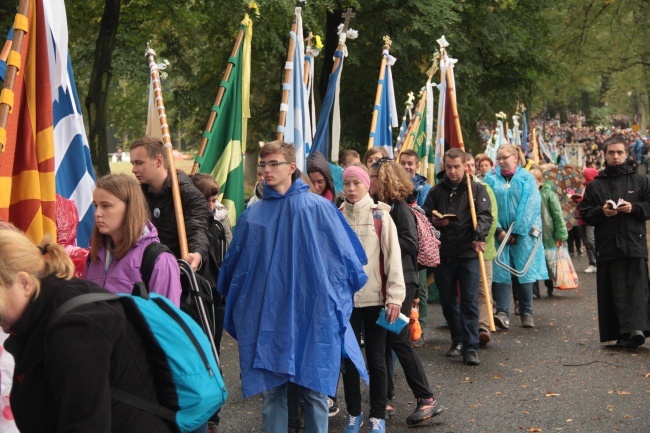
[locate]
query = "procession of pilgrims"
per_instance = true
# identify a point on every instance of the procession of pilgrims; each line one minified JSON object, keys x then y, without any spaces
{"x":323,"y":274}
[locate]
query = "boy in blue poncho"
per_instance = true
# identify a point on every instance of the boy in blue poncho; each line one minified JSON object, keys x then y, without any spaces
{"x":290,"y":276}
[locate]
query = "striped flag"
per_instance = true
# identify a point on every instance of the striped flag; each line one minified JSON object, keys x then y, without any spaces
{"x":27,"y":160}
{"x":387,"y":109}
{"x":75,"y":176}
{"x":227,"y":140}
{"x":297,"y":129}
{"x":321,"y":138}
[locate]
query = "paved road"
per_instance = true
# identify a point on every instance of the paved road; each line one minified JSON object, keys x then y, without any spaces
{"x":554,"y":378}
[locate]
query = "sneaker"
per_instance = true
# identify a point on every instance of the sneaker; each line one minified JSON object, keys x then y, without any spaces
{"x":591,"y":269}
{"x":454,"y":350}
{"x":483,"y":338}
{"x":333,"y":407}
{"x":390,"y":410}
{"x":377,"y":425}
{"x":501,"y":320}
{"x":419,"y":342}
{"x":427,"y":408}
{"x":471,"y":358}
{"x":527,"y":321}
{"x":354,"y":424}
{"x":581,"y":253}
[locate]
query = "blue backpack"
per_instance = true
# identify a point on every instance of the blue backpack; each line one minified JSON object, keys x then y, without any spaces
{"x":189,"y":385}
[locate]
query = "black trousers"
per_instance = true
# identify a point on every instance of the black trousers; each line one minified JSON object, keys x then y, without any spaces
{"x":416,"y":378}
{"x":375,"y":345}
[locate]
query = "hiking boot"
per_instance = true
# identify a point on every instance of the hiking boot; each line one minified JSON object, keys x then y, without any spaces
{"x":471,"y":358}
{"x":426,"y":408}
{"x":501,"y":320}
{"x":390,"y":409}
{"x":527,"y":321}
{"x":483,"y":338}
{"x":377,"y":425}
{"x":635,"y":340}
{"x":332,"y":406}
{"x":354,"y":424}
{"x":454,"y":350}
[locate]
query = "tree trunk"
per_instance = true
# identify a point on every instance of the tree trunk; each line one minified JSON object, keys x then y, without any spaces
{"x":606,"y":82}
{"x":100,"y":79}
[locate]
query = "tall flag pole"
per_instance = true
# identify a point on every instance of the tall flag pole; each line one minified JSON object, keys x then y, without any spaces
{"x":524,"y":136}
{"x":406,"y":120}
{"x":330,"y":105}
{"x":384,"y":114}
{"x":27,"y":164}
{"x":311,"y":52}
{"x":453,"y":121}
{"x":150,"y":55}
{"x":224,"y":138}
{"x":294,"y":125}
{"x":74,"y":173}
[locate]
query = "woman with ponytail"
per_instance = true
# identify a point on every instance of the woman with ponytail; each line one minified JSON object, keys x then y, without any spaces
{"x":64,"y":370}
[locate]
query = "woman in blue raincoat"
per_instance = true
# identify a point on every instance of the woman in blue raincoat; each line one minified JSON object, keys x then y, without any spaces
{"x":519,"y":203}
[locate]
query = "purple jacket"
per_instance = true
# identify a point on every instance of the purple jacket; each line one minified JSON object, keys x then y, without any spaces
{"x":122,"y":274}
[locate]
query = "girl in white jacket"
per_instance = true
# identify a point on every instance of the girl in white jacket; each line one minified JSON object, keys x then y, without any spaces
{"x":384,"y":289}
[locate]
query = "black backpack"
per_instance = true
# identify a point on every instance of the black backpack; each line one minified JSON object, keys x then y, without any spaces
{"x":194,"y":287}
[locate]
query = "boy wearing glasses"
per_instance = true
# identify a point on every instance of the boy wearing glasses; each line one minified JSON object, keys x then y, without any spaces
{"x":290,"y":276}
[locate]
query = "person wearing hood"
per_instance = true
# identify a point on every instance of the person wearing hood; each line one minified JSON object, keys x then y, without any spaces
{"x":458,"y":274}
{"x":617,"y":204}
{"x":554,"y":231}
{"x":290,"y":277}
{"x":121,"y":234}
{"x":320,"y":175}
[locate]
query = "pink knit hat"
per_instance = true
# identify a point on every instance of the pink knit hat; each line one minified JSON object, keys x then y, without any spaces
{"x":359,"y":173}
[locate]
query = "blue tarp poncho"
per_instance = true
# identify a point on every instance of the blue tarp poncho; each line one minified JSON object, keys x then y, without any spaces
{"x":290,"y":276}
{"x":521,"y":204}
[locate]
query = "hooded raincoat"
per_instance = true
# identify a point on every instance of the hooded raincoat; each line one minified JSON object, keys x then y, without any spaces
{"x":290,"y":276}
{"x":519,"y":202}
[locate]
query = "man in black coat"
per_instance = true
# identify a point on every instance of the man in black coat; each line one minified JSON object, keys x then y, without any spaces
{"x":459,"y":246}
{"x":617,"y":204}
{"x":151,"y":168}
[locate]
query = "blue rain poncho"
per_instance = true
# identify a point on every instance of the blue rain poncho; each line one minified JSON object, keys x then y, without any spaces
{"x":290,"y":276}
{"x":520,"y":204}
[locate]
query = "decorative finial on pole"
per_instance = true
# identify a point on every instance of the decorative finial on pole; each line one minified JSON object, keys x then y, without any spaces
{"x":435,"y":59}
{"x":387,"y":42}
{"x":347,"y":15}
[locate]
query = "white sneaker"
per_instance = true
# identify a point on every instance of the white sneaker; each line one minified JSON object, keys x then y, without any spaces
{"x":591,"y":269}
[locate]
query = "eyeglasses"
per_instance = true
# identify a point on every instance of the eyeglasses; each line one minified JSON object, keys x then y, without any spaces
{"x":503,"y":158}
{"x":271,"y":164}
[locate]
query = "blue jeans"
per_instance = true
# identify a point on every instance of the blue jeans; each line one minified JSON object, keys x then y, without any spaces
{"x":524,"y":295}
{"x":275,"y":416}
{"x":460,"y":279}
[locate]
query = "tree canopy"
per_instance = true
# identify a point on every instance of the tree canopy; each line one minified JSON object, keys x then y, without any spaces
{"x":552,"y":55}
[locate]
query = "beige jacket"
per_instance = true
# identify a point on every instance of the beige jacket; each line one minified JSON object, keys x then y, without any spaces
{"x":360,"y":217}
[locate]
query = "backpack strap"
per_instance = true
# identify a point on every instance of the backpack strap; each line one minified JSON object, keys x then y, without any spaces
{"x":149,"y":257}
{"x":77,"y":301}
{"x":377,"y":214}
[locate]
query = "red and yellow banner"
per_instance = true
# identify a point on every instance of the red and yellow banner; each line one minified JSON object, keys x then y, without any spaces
{"x":27,"y":188}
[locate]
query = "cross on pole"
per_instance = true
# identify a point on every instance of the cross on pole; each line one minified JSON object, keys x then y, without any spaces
{"x":347,"y":15}
{"x":309,"y":38}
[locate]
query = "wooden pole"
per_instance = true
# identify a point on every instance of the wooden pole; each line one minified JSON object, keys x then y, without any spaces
{"x":470,"y":196}
{"x":12,"y":71}
{"x":150,"y":55}
{"x":535,"y":147}
{"x":375,"y":111}
{"x":287,"y":80}
{"x":414,"y":125}
{"x":218,"y":99}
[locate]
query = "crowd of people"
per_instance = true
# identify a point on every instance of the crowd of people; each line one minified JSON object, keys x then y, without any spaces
{"x":311,"y":275}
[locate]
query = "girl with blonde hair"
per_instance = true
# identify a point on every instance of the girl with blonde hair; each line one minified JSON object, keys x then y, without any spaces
{"x":73,"y":363}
